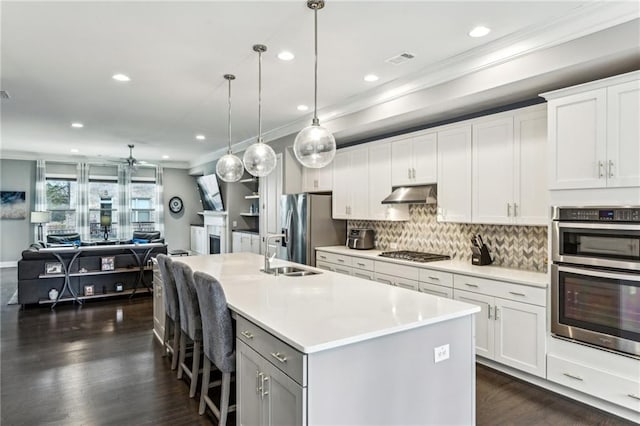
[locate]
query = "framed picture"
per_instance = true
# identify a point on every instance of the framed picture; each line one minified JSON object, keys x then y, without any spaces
{"x":53,"y":268}
{"x":108,"y":263}
{"x":13,"y":205}
{"x":88,"y":290}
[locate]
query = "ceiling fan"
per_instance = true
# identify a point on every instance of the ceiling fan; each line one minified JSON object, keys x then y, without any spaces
{"x":132,"y":163}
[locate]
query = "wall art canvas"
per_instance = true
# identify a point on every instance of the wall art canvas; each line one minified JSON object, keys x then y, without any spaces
{"x":13,"y":205}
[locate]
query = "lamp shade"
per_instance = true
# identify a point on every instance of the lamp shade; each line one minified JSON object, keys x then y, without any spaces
{"x":40,"y":217}
{"x":105,"y":218}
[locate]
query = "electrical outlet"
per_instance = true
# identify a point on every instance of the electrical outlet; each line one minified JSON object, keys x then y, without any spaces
{"x":441,"y":353}
{"x":393,"y":246}
{"x":234,"y":223}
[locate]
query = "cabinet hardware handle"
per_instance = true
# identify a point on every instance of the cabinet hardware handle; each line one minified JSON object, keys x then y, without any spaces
{"x":323,"y":257}
{"x":315,"y":183}
{"x":600,"y":165}
{"x":630,"y":395}
{"x":515,"y":209}
{"x":280,"y":357}
{"x":471,"y":285}
{"x":247,"y":334}
{"x":264,"y":389}
{"x":434,"y":278}
{"x":571,"y":376}
{"x":508,"y":209}
{"x":258,"y":388}
{"x":496,"y":313}
{"x":382,"y":280}
{"x":413,"y":173}
{"x":610,"y":168}
{"x":409,"y":173}
{"x":341,"y":260}
{"x":489,"y":312}
{"x":360,"y":264}
{"x":517,"y":294}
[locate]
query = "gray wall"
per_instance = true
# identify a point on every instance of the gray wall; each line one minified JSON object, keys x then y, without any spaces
{"x":178,"y":182}
{"x":16,"y":235}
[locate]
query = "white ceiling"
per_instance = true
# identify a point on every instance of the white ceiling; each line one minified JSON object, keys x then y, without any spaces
{"x":58,"y":59}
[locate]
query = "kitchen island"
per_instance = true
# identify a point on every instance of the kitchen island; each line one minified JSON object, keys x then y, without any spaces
{"x":335,"y":349}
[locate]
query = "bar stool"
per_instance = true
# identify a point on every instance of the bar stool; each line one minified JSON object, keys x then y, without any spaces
{"x":219,"y":344}
{"x":171,"y":309}
{"x":190,"y":323}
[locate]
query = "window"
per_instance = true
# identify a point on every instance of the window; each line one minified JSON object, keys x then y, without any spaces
{"x":61,"y":202}
{"x":143,"y":201}
{"x":103,"y":207}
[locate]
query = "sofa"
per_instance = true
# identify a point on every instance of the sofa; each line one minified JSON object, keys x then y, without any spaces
{"x":65,"y":239}
{"x":34,"y":283}
{"x":146,"y":237}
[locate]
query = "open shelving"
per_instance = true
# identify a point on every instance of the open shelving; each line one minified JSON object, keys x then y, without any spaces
{"x":142,"y":290}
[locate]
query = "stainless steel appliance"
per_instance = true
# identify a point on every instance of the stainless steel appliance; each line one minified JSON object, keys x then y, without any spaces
{"x":307,"y":223}
{"x":414,"y":256}
{"x":595,"y":282}
{"x":360,"y":238}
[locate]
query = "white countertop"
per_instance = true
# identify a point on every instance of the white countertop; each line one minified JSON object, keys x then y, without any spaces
{"x":324,"y":311}
{"x":530,"y":278}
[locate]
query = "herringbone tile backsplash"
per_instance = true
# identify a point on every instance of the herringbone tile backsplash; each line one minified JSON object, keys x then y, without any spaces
{"x":520,"y":247}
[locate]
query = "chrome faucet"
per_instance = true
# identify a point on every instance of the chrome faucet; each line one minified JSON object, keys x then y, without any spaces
{"x":267,"y":258}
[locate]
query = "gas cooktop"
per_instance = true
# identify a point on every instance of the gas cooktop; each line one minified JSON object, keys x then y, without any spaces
{"x":414,"y":256}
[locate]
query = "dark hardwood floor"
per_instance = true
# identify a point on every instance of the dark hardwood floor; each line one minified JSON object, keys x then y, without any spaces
{"x":99,"y":365}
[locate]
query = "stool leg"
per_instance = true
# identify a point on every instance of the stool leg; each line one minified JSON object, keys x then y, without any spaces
{"x":183,"y":353}
{"x":224,"y":397}
{"x":206,"y":375}
{"x":165,"y":336}
{"x":177,"y":345}
{"x":195,"y":368}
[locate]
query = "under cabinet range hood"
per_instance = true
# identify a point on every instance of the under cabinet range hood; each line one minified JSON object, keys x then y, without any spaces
{"x":422,"y":194}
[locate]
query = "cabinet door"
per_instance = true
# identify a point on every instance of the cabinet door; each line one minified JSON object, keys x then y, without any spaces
{"x":531,"y":196}
{"x":249,"y":402}
{"x":361,"y":273}
{"x":401,"y":162}
{"x":577,"y":132}
{"x":309,"y":179}
{"x":285,"y":399}
{"x":270,"y":194}
{"x":425,"y":159}
{"x":379,"y":174}
{"x":520,"y":336}
{"x":623,"y":137}
{"x":341,"y":185}
{"x":454,"y":175}
{"x":255,"y":244}
{"x":492,"y":153}
{"x":485,"y":328}
{"x":237,"y":242}
{"x":325,"y":177}
{"x":358,"y":184}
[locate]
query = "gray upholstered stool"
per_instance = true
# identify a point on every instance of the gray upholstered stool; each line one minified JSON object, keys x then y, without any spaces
{"x":219,"y":343}
{"x":190,"y":323}
{"x":171,"y":309}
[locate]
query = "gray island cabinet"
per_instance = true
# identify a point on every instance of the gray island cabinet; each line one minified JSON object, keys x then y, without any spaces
{"x":333,"y":349}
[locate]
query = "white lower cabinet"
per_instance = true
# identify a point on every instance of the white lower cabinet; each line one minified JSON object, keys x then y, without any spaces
{"x":437,"y":283}
{"x":245,"y":242}
{"x":396,"y":281}
{"x":508,"y":331}
{"x":198,"y":240}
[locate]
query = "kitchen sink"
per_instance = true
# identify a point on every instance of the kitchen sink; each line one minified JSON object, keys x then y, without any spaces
{"x":293,"y":271}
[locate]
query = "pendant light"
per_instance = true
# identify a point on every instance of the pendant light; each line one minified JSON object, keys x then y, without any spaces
{"x":315,"y":146}
{"x":229,"y":167}
{"x":259,"y":159}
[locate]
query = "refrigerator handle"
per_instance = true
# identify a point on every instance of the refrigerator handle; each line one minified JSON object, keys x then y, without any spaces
{"x":287,"y":229}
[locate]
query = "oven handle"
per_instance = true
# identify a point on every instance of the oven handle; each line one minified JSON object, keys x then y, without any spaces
{"x":600,"y":274}
{"x":599,"y":225}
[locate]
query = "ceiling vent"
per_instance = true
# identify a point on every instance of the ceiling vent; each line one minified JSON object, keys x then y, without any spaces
{"x":4,"y":94}
{"x":401,"y":58}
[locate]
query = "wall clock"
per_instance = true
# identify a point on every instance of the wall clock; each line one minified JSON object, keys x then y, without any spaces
{"x":175,"y":204}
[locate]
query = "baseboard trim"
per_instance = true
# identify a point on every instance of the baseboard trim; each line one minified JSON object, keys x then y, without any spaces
{"x":9,"y":264}
{"x":598,"y":403}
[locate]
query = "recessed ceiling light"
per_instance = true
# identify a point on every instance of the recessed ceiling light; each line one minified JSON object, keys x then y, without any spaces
{"x":77,"y":125}
{"x":479,"y":31}
{"x":74,"y":150}
{"x":286,"y":56}
{"x":165,"y":157}
{"x":200,"y":137}
{"x":121,"y":77}
{"x":302,"y":108}
{"x":371,"y":78}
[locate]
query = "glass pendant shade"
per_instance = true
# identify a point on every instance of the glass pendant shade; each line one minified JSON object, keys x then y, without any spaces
{"x":259,"y":159}
{"x":314,"y":146}
{"x":229,"y":168}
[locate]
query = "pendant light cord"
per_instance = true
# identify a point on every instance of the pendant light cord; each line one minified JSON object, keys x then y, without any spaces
{"x":315,"y":80}
{"x":259,"y":96}
{"x":229,"y":122}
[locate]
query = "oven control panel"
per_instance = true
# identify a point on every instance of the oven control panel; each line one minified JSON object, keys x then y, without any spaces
{"x":598,"y":214}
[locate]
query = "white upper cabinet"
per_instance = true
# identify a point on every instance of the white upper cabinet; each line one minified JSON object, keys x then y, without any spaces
{"x":317,"y":180}
{"x":594,"y":134}
{"x":350,"y":186}
{"x":414,"y":160}
{"x":454,"y":174}
{"x":270,"y":194}
{"x":509,"y":168}
{"x":379,"y":171}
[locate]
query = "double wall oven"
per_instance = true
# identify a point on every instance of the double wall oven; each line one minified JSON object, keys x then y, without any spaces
{"x":595,"y":278}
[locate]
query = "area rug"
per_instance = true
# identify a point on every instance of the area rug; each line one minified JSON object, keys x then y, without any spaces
{"x":14,"y":299}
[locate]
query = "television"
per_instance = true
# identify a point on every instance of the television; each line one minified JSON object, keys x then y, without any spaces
{"x":210,"y":193}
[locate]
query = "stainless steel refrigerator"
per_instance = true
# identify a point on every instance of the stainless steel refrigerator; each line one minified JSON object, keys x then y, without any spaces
{"x":306,"y":220}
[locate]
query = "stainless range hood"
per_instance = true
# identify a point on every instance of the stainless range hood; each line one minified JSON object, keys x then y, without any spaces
{"x":423,"y":194}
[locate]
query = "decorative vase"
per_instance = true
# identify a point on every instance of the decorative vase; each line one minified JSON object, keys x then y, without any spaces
{"x":53,"y":294}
